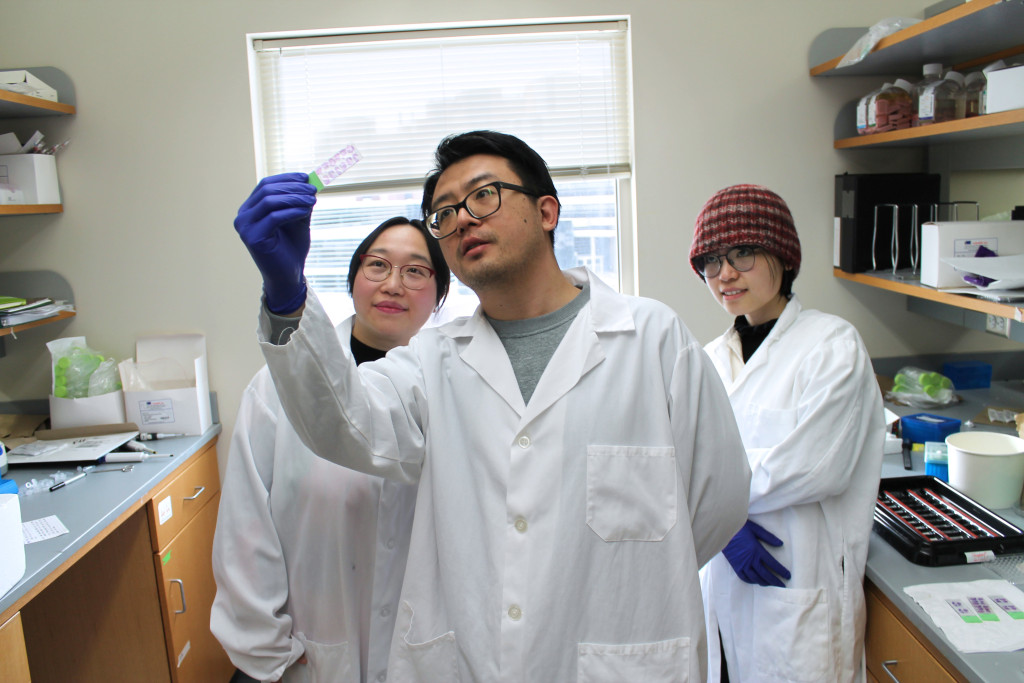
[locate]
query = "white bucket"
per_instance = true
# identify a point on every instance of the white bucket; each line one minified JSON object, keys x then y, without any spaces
{"x":987,"y":466}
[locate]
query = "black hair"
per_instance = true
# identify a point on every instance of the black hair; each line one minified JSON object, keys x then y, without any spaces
{"x":527,"y":164}
{"x":442,"y":275}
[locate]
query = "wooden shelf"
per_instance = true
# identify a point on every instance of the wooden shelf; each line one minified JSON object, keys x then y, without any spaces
{"x":892,"y":283}
{"x":29,"y":209}
{"x":63,"y":315}
{"x":14,"y":105}
{"x":968,"y":36}
{"x":1001,"y":124}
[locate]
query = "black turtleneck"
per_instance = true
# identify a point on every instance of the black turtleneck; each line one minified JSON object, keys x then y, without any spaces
{"x":751,"y":336}
{"x":363,"y":353}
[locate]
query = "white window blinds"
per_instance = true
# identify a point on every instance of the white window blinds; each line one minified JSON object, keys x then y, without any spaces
{"x":562,"y":87}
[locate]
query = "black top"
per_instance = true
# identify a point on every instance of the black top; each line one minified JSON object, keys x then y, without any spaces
{"x":363,"y":353}
{"x":751,"y":336}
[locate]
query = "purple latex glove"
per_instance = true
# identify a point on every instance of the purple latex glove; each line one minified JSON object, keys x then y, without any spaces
{"x":751,"y":561}
{"x":274,"y":226}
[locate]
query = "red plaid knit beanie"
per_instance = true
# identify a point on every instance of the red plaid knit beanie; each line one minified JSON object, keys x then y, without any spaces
{"x":746,"y":214}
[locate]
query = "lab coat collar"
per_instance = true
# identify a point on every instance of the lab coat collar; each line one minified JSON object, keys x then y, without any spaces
{"x":607,"y":311}
{"x":762,"y":356}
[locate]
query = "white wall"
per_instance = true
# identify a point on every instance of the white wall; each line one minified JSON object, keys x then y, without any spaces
{"x":162,"y":155}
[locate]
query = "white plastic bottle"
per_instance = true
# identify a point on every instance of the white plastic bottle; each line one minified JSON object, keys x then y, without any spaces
{"x":894,"y":107}
{"x":974,"y":87}
{"x":942,"y":101}
{"x":932,"y":74}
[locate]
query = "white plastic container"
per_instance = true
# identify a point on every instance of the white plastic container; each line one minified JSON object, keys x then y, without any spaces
{"x":987,"y":466}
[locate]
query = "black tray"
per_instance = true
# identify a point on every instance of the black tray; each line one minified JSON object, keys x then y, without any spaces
{"x":931,"y":523}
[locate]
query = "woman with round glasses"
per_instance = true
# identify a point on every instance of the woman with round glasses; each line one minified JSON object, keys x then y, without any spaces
{"x":309,"y":556}
{"x":784,"y":599}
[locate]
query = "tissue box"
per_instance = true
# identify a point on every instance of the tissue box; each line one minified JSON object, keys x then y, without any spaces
{"x":962,"y":238}
{"x":34,"y":174}
{"x":12,"y":543}
{"x":166,"y":388}
{"x":24,"y":83}
{"x":104,"y":409}
{"x":1004,"y":90}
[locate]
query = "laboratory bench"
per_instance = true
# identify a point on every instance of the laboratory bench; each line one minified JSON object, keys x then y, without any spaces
{"x":898,"y":628}
{"x":126,"y":593}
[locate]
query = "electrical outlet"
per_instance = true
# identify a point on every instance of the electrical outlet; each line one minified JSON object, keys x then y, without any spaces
{"x":997,"y":325}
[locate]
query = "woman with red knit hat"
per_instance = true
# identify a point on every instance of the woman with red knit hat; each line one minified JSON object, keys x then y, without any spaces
{"x":784,"y":599}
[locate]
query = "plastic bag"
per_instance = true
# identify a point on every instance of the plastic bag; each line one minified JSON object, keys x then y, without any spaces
{"x":921,"y":388}
{"x":79,"y":371}
{"x":866,"y":43}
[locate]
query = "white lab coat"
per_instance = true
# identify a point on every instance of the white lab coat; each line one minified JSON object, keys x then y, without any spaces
{"x":555,"y":541}
{"x":810,"y":413}
{"x":308,"y":556}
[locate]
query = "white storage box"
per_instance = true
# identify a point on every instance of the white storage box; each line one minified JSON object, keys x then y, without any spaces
{"x":166,"y":388}
{"x":1004,"y":90}
{"x":105,"y":409}
{"x":24,"y":83}
{"x":34,"y":174}
{"x":941,"y":240}
{"x":12,"y":542}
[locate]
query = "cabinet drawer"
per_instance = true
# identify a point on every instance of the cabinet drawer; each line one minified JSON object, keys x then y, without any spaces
{"x":183,"y":497}
{"x":13,"y":657}
{"x":888,"y":639}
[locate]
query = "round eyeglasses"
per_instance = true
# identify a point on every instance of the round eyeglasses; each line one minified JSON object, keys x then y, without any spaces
{"x":480,"y":203}
{"x":741,"y":258}
{"x":378,"y":269}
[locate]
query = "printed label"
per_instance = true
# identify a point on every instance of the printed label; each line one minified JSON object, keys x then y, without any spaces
{"x":164,"y":510}
{"x":964,"y":248}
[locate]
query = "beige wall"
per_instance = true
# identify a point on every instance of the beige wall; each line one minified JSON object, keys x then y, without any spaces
{"x":162,"y":155}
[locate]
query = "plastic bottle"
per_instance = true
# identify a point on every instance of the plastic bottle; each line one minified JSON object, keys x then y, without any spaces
{"x":894,"y":107}
{"x":974,"y":86}
{"x":932,"y":74}
{"x":866,"y":111}
{"x":942,"y":101}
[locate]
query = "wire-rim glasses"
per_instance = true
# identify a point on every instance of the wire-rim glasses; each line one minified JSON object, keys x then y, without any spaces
{"x":480,"y":203}
{"x":378,"y":269}
{"x":741,"y":258}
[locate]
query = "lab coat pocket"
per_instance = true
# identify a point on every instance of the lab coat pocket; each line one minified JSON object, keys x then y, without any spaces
{"x":792,"y":639}
{"x":667,"y":661}
{"x":324,"y":663}
{"x":431,"y":660}
{"x":631,"y":492}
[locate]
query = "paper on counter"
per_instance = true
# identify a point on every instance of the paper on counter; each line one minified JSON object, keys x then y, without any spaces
{"x":1000,"y":634}
{"x":42,"y":529}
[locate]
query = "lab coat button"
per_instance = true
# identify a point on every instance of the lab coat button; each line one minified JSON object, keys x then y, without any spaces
{"x":521,"y":525}
{"x":524,"y":442}
{"x":382,"y":676}
{"x":390,"y":544}
{"x":385,"y":611}
{"x":514,"y":613}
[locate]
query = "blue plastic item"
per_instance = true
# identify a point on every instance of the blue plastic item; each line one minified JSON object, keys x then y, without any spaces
{"x":968,"y":374}
{"x":936,"y":460}
{"x":924,"y":427}
{"x":8,"y":486}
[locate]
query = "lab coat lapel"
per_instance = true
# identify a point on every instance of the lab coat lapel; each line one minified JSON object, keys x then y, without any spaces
{"x":487,"y":356}
{"x":763,"y":354}
{"x":581,"y":350}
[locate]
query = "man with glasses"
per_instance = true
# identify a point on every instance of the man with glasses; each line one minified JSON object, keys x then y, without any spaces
{"x":576,"y":456}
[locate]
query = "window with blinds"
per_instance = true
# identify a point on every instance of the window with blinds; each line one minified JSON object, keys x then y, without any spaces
{"x":561,"y":86}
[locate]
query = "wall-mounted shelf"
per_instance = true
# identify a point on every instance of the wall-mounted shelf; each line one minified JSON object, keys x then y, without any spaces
{"x":31,"y":284}
{"x":28,"y":209}
{"x":15,"y":105}
{"x":1001,"y":124}
{"x":63,"y":315}
{"x":895,"y":283}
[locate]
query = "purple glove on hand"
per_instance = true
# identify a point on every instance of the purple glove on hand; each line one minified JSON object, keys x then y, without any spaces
{"x":750,"y":560}
{"x":274,"y":226}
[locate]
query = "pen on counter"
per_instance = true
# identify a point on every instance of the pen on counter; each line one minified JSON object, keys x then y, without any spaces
{"x":149,"y":437}
{"x":133,"y":457}
{"x":67,"y":481}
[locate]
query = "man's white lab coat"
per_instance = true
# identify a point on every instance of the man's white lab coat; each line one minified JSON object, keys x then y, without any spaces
{"x":810,"y":412}
{"x":308,"y":556}
{"x":555,"y":541}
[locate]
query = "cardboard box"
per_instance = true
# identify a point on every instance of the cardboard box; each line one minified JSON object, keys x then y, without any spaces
{"x":166,"y":388}
{"x":67,"y":413}
{"x":34,"y":174}
{"x":962,"y":238}
{"x":1004,"y":90}
{"x":24,"y":83}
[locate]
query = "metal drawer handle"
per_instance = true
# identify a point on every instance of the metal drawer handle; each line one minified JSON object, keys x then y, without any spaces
{"x":199,"y":491}
{"x":885,"y":668}
{"x":181,"y":589}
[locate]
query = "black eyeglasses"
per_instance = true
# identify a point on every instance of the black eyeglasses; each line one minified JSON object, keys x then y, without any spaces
{"x":480,"y":203}
{"x":378,"y":269}
{"x":741,"y":258}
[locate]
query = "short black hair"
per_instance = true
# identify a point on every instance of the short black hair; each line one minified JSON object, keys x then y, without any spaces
{"x":442,"y":274}
{"x":527,"y":164}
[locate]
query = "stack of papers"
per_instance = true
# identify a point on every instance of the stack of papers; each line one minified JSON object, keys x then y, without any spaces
{"x":30,"y":311}
{"x":1006,"y":272}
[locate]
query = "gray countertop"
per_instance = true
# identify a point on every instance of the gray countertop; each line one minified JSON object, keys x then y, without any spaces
{"x":891,"y":572}
{"x":88,"y":506}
